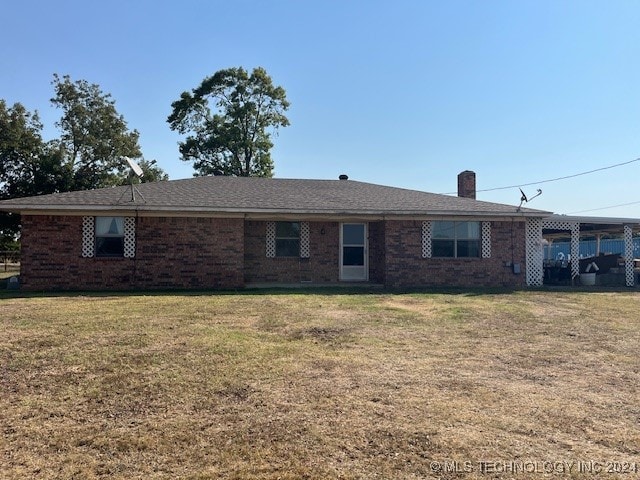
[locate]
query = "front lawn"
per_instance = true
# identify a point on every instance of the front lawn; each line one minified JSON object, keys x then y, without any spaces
{"x":313,"y":385}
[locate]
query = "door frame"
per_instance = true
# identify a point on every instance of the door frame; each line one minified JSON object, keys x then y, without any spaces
{"x":365,"y":273}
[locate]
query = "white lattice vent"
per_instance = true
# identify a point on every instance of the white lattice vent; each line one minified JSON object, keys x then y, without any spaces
{"x":271,"y":239}
{"x":129,"y":237}
{"x":426,"y":239}
{"x":88,"y":237}
{"x":486,"y":239}
{"x":304,"y":240}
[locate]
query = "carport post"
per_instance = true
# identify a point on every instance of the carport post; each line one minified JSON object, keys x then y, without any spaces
{"x":575,"y":251}
{"x":628,"y":255}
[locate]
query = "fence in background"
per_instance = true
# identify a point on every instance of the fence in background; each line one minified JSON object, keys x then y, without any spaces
{"x":588,"y":248}
{"x":10,"y":260}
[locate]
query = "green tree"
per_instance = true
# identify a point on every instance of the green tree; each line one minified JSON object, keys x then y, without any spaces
{"x":151,"y":172}
{"x":229,"y":119}
{"x":88,"y":154}
{"x":20,"y":142}
{"x":94,"y":136}
{"x":28,"y":165}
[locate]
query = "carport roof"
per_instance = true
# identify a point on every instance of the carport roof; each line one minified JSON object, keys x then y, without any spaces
{"x":594,"y":225}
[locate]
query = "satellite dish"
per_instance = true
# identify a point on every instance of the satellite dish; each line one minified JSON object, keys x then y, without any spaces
{"x":135,"y":167}
{"x":524,"y":199}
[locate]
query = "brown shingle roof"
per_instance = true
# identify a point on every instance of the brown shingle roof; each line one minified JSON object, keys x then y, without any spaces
{"x":265,"y":195}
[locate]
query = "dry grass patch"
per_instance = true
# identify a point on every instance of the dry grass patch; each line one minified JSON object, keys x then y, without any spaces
{"x":312,"y":386}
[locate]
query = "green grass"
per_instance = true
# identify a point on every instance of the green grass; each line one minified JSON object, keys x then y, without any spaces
{"x":312,"y":385}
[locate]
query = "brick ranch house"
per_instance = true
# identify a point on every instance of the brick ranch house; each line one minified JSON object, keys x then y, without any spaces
{"x":220,"y":232}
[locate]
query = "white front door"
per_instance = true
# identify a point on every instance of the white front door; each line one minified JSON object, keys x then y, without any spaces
{"x":354,"y":261}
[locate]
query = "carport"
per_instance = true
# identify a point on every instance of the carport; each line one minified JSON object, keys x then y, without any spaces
{"x":542,"y":234}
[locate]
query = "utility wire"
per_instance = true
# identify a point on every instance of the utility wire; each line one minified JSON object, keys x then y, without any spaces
{"x":604,"y":208}
{"x":555,"y":179}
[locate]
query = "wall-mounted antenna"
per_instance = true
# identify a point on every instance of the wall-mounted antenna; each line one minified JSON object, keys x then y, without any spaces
{"x":135,"y":171}
{"x":524,"y":199}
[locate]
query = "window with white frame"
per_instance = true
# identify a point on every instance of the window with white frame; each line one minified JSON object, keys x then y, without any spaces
{"x":455,"y":239}
{"x":287,"y":239}
{"x":109,"y":236}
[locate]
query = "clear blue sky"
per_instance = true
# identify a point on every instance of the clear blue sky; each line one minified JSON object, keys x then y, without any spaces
{"x":402,"y":93}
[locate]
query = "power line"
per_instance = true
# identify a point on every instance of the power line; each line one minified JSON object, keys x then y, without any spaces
{"x":604,"y":208}
{"x":554,"y":179}
{"x":562,"y":178}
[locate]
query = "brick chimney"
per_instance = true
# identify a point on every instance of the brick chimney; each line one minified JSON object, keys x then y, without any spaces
{"x":467,"y":184}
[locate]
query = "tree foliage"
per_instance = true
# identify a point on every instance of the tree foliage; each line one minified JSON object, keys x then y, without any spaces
{"x":28,"y":165}
{"x":88,"y":154}
{"x":94,"y":136}
{"x":151,"y":172}
{"x":229,"y":119}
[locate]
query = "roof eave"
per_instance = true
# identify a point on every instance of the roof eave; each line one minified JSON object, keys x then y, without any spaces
{"x":258,"y":212}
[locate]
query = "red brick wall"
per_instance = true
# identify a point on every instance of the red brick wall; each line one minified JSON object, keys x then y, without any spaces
{"x":170,"y":253}
{"x":376,"y":252}
{"x":190,"y":252}
{"x":321,"y":267}
{"x":225,"y":253}
{"x":51,"y":247}
{"x":405,"y":266}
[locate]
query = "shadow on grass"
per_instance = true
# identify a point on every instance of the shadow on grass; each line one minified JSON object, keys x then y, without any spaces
{"x":333,"y":289}
{"x":266,"y":291}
